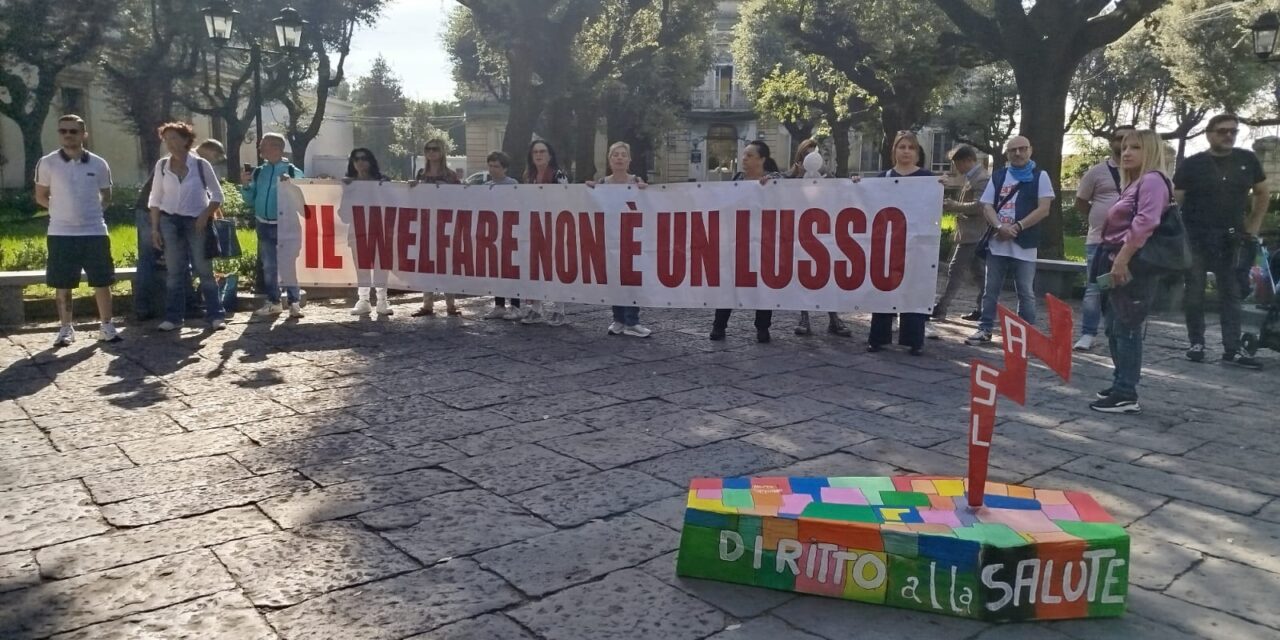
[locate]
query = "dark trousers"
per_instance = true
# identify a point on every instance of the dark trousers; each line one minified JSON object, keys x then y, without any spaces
{"x":1216,"y":251}
{"x":764,"y":319}
{"x":910,"y":333}
{"x":502,"y":302}
{"x":965,"y":266}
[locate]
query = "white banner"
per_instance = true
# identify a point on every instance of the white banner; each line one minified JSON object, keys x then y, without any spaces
{"x":829,"y":245}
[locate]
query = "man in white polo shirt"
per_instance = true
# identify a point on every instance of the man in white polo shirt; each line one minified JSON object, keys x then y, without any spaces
{"x":75,"y":186}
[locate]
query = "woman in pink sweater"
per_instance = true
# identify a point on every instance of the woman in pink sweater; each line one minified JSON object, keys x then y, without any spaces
{"x":1145,"y":195}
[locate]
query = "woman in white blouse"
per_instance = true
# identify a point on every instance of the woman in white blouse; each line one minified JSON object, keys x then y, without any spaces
{"x":184,"y":195}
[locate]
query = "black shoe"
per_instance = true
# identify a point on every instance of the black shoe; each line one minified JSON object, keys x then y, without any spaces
{"x":1241,"y":359}
{"x":1116,"y":403}
{"x":762,"y":335}
{"x":938,"y":314}
{"x":1196,"y":353}
{"x":1104,"y":394}
{"x":915,"y":351}
{"x":874,"y":348}
{"x":803,"y":330}
{"x":841,"y":330}
{"x":972,"y":316}
{"x":717,"y":333}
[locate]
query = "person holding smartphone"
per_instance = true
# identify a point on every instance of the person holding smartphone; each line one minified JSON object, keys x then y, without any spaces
{"x":1144,"y":195}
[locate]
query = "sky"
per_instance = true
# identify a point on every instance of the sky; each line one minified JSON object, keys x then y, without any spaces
{"x":408,"y":35}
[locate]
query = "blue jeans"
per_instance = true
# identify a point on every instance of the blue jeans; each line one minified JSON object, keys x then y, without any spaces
{"x":268,"y":253}
{"x":1091,"y":307}
{"x":628,"y":316}
{"x":184,"y":244}
{"x":1024,"y":277}
{"x":1126,"y":323}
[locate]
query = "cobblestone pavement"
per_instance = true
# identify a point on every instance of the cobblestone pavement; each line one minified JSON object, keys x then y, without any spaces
{"x":462,"y":478}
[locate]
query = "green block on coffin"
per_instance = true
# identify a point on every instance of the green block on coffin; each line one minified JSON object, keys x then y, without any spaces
{"x":1033,"y":555}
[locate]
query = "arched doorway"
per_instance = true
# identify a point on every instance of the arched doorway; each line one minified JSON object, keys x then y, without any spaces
{"x":722,"y":151}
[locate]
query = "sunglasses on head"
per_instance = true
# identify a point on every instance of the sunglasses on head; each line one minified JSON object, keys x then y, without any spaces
{"x":67,"y":132}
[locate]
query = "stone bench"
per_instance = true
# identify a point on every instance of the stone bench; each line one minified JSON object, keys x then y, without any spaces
{"x":13,"y":282}
{"x":1058,"y":277}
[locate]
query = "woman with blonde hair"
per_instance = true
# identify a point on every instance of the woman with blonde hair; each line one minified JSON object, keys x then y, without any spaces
{"x":808,"y":164}
{"x":626,"y":320}
{"x":436,"y":171}
{"x":1145,"y":195}
{"x":908,"y":162}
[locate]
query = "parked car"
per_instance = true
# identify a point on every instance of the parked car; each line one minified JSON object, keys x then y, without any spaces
{"x":477,"y":178}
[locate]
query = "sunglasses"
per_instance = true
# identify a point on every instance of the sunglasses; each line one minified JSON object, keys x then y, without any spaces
{"x":67,"y":132}
{"x":361,"y":158}
{"x":430,"y":149}
{"x":1226,"y":132}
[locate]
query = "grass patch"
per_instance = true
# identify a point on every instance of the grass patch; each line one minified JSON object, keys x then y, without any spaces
{"x":23,"y":248}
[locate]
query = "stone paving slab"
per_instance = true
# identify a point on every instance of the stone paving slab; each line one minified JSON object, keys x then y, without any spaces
{"x":538,"y":473}
{"x":350,"y":498}
{"x":66,"y":605}
{"x":283,"y":568}
{"x":454,"y":524}
{"x":625,"y":604}
{"x":397,"y":607}
{"x":557,"y":560}
{"x":46,"y":515}
{"x":189,"y":502}
{"x":128,"y":546}
{"x":227,"y":614}
{"x":166,"y":476}
{"x":38,"y":470}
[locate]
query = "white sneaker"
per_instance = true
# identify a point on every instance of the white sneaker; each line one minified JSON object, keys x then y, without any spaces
{"x":1085,"y":343}
{"x":107,"y":333}
{"x":169,"y":325}
{"x":617,"y":328}
{"x":384,"y":308}
{"x":362,"y":308}
{"x":497,"y":313}
{"x":978,"y":337}
{"x":637,"y":331}
{"x":930,"y":332}
{"x":217,"y":324}
{"x":556,"y":318}
{"x":513,"y":313}
{"x":532,"y":316}
{"x":269,"y":309}
{"x":295,"y":310}
{"x":66,"y":335}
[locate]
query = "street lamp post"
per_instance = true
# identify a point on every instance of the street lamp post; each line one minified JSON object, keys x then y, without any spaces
{"x":219,"y":18}
{"x":1264,"y":30}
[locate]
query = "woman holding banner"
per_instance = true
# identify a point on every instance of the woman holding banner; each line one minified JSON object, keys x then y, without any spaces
{"x":542,"y":167}
{"x":908,"y":162}
{"x":436,"y":171}
{"x":1145,"y":194}
{"x":626,"y":320}
{"x":808,"y":164}
{"x":361,"y":165}
{"x":757,"y":164}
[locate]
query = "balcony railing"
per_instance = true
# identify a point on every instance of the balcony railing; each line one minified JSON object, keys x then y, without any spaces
{"x":734,"y":100}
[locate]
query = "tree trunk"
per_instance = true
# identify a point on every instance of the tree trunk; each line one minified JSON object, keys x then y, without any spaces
{"x":558,"y":130}
{"x":525,"y":106}
{"x":298,"y":155}
{"x":236,"y":131}
{"x":892,"y":120}
{"x":799,"y":131}
{"x":1043,"y":93}
{"x":32,"y":148}
{"x":840,"y":136}
{"x":584,"y":146}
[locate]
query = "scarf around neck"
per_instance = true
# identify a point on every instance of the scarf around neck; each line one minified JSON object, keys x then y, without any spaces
{"x":1025,"y":174}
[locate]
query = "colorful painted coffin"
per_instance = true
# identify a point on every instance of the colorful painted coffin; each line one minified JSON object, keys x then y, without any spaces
{"x":911,"y":542}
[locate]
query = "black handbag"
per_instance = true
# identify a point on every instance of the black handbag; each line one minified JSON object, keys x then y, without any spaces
{"x":1167,"y":250}
{"x":983,"y":249}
